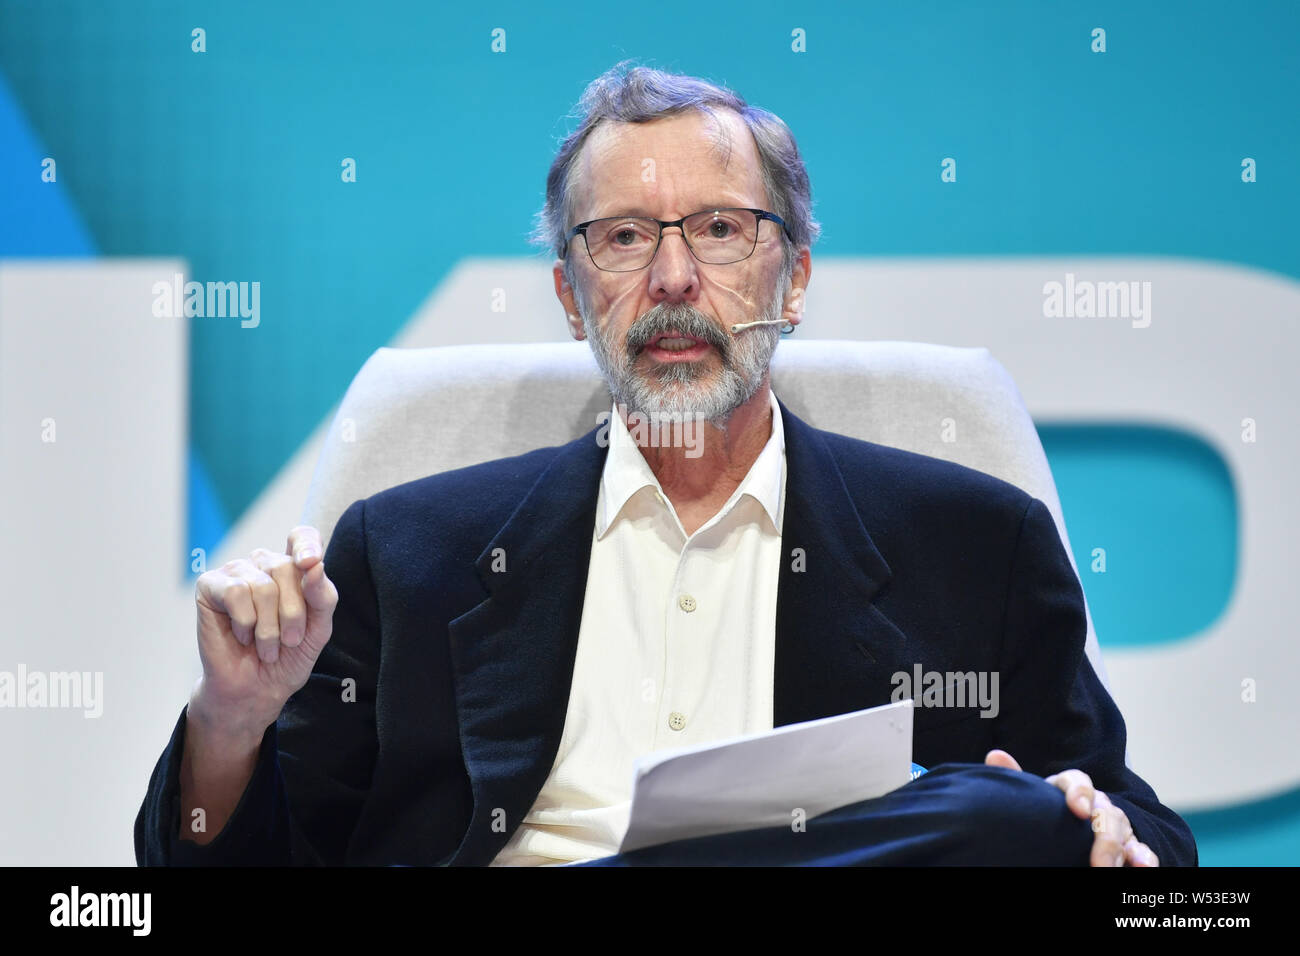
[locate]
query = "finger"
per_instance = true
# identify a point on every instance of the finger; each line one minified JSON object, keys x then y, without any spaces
{"x":321,"y":595}
{"x":1078,"y":790}
{"x":304,"y":546}
{"x":266,"y":603}
{"x":220,"y":591}
{"x":1125,"y":828}
{"x":1106,"y":852}
{"x":1111,"y":832}
{"x":1107,"y":848}
{"x":1000,"y":758}
{"x":292,"y":608}
{"x":1139,"y":854}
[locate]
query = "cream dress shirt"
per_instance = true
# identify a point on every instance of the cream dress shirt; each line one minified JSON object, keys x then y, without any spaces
{"x":676,"y":645}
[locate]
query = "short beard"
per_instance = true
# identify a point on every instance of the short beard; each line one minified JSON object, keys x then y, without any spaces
{"x":681,"y":390}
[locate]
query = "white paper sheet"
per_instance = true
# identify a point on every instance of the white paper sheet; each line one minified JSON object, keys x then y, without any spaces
{"x":760,"y":780}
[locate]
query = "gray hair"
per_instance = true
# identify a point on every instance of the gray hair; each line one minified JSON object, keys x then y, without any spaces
{"x":637,"y":94}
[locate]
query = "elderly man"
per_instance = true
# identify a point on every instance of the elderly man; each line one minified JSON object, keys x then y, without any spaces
{"x":493,"y":647}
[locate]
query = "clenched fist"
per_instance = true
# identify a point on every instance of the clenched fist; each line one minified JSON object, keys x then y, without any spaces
{"x":262,"y":623}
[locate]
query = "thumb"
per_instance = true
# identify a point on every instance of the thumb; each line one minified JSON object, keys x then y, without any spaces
{"x":1000,"y":758}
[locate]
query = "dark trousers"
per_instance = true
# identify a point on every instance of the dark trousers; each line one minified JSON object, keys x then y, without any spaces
{"x":955,"y":815}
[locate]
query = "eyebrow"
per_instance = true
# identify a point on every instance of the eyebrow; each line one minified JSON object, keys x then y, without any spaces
{"x":643,"y":212}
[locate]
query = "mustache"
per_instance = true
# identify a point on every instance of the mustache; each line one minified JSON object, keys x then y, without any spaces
{"x":676,"y":317}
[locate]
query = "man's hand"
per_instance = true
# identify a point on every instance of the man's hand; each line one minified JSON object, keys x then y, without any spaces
{"x":1113,"y":843}
{"x":262,"y":622}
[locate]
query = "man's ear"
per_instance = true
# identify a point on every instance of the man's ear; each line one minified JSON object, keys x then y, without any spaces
{"x":800,"y":272}
{"x":564,"y":292}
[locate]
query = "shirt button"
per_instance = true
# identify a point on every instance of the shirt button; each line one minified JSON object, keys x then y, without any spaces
{"x":677,"y":720}
{"x":686,"y":603}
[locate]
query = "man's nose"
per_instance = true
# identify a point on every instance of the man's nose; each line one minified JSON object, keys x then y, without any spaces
{"x":673,"y":276}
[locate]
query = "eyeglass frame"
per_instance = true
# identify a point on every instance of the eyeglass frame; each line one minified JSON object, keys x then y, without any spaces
{"x":762,"y":214}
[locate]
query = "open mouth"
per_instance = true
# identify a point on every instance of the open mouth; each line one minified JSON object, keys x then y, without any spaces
{"x":673,"y":344}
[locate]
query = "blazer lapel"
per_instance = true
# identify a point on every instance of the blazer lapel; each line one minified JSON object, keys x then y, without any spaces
{"x":835,"y":650}
{"x":513,"y":654}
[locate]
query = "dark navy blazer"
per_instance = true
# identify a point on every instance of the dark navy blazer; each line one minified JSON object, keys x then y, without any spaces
{"x":462,"y":672}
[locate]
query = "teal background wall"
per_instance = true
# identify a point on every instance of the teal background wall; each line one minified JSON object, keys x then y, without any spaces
{"x":231,"y":158}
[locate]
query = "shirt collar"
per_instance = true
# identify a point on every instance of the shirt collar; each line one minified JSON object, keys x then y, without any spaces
{"x":626,"y":472}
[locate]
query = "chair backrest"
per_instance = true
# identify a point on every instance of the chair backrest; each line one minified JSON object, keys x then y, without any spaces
{"x":415,"y":412}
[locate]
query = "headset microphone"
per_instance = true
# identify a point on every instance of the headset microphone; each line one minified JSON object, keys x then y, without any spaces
{"x":749,"y":325}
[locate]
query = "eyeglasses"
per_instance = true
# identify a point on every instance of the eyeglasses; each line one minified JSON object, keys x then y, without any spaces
{"x":714,"y":236}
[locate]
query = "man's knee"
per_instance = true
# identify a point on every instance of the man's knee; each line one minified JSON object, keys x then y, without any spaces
{"x":1006,"y":816}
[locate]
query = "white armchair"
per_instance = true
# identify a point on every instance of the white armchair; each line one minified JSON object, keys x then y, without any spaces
{"x":415,"y":412}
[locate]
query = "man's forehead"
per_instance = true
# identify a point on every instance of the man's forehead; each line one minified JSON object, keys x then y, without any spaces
{"x":688,"y":152}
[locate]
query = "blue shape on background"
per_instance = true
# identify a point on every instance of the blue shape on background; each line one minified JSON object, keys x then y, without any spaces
{"x":1162,"y":505}
{"x":207,"y":523}
{"x":39,"y":220}
{"x":1260,"y":833}
{"x":36,"y":217}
